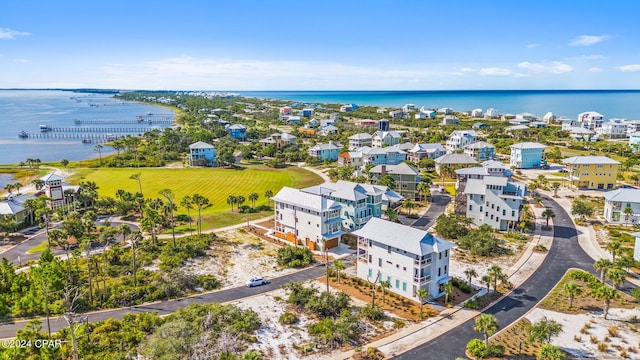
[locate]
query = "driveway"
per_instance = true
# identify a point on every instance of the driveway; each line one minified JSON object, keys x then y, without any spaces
{"x":439,"y":203}
{"x":565,"y":253}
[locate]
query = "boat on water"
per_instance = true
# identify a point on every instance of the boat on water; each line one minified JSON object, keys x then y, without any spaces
{"x":45,"y":128}
{"x":23,"y":134}
{"x":78,"y":121}
{"x":86,"y":141}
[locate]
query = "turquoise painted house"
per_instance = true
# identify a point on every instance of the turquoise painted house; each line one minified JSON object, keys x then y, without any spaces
{"x":325,"y":151}
{"x":634,"y":141}
{"x":202,"y":154}
{"x":527,"y":155}
{"x":237,"y":131}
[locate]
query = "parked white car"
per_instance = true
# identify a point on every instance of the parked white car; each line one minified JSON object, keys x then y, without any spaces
{"x":256,"y":281}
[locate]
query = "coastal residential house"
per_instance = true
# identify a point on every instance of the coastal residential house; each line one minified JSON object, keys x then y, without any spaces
{"x":12,"y":208}
{"x":549,"y":118}
{"x":491,"y":113}
{"x":359,"y":140}
{"x":385,"y":138}
{"x":382,"y":156}
{"x":366,"y":122}
{"x":633,"y":126}
{"x":476,"y":113}
{"x":450,"y":162}
{"x":409,"y":108}
{"x":445,"y":111}
{"x":591,"y":120}
{"x":325,"y":151}
{"x":279,"y":140}
{"x":481,"y":126}
{"x":527,"y":155}
{"x":459,"y":139}
{"x":346,"y":108}
{"x":237,"y":131}
{"x":405,"y":176}
{"x":307,"y":112}
{"x":617,"y":202}
{"x":53,"y":189}
{"x":634,"y":141}
{"x":592,"y":172}
{"x":450,"y":120}
{"x":613,"y":129}
{"x":487,"y":168}
{"x":328,"y":130}
{"x":350,"y":158}
{"x":397,"y":114}
{"x":481,"y":151}
{"x":285,"y":110}
{"x":526,"y":116}
{"x":306,"y":218}
{"x":421,"y":151}
{"x":428,"y":114}
{"x":405,"y":146}
{"x":495,"y":201}
{"x":407,"y":258}
{"x":202,"y":154}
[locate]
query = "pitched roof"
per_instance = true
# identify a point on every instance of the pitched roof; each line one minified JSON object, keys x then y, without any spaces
{"x":361,"y":136}
{"x":455,"y":159}
{"x":237,"y":127}
{"x":493,"y":164}
{"x":329,"y":146}
{"x":528,"y":145}
{"x":200,"y":145}
{"x":480,"y":145}
{"x":588,"y":160}
{"x":51,"y":177}
{"x":400,"y":169}
{"x":412,"y":240}
{"x":10,"y":208}
{"x":464,"y":133}
{"x":623,"y":195}
{"x":304,"y":199}
{"x":430,"y":147}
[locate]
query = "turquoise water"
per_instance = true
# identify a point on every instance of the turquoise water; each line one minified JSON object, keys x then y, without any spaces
{"x":26,"y":110}
{"x":569,"y":103}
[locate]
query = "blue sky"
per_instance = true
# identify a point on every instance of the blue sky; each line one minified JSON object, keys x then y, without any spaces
{"x":320,"y":45}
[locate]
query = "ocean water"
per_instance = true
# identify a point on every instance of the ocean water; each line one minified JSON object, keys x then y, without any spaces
{"x":623,"y":104}
{"x":26,"y":110}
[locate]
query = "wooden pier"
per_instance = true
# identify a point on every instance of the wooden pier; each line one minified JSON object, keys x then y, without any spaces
{"x":136,"y":130}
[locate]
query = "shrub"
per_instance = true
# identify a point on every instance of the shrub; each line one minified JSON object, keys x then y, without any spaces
{"x":208,"y":282}
{"x":594,"y":339}
{"x":540,"y":248}
{"x":373,"y":313}
{"x":294,"y":257}
{"x":462,"y":285}
{"x":582,"y":276}
{"x":479,"y":349}
{"x":603,"y":347}
{"x":288,"y":318}
{"x":613,"y":331}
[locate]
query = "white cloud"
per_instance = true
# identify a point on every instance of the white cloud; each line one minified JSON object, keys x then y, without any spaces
{"x":468,"y":69}
{"x":21,"y":61}
{"x":9,"y":34}
{"x":595,"y":69}
{"x":493,"y":71}
{"x":585,"y":57}
{"x":556,"y":67}
{"x":531,"y":46}
{"x":629,"y":68}
{"x":520,"y":75}
{"x":588,"y":40}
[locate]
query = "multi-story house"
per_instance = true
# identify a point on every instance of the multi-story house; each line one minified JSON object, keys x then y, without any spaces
{"x":306,"y":218}
{"x":450,"y":162}
{"x":325,"y":151}
{"x":385,"y":138}
{"x":202,"y":154}
{"x":591,"y":120}
{"x":407,"y":108}
{"x":450,"y":120}
{"x":407,"y":258}
{"x":491,"y":113}
{"x":285,"y":110}
{"x":614,"y":129}
{"x":481,"y":151}
{"x":634,"y":141}
{"x":527,"y":155}
{"x":592,"y":172}
{"x":459,"y":139}
{"x":237,"y":131}
{"x":622,"y":206}
{"x":494,"y":200}
{"x":359,"y":140}
{"x":351,"y":158}
{"x":279,"y":140}
{"x":378,"y":156}
{"x":487,"y":168}
{"x":421,"y":151}
{"x":633,"y":126}
{"x":405,"y":176}
{"x":397,"y":114}
{"x":476,"y":113}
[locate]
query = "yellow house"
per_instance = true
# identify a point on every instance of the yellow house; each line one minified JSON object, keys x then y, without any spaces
{"x":592,"y":172}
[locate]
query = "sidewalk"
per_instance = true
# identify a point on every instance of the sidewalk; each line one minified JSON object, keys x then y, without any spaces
{"x":420,"y":333}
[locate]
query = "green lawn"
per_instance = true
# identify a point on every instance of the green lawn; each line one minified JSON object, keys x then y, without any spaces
{"x":214,"y":183}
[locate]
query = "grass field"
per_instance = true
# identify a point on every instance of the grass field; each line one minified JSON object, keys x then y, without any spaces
{"x":216,"y":184}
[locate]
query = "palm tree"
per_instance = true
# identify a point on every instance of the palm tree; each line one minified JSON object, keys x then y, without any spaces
{"x":232,"y":200}
{"x":555,"y":186}
{"x":628,"y":212}
{"x":253,"y":197}
{"x":423,"y":189}
{"x":200,"y":202}
{"x":470,"y":273}
{"x":168,"y":194}
{"x":240,"y":200}
{"x":187,"y":203}
{"x":496,"y":273}
{"x":486,"y":279}
{"x":268,"y":194}
{"x":548,"y":214}
{"x":422,"y":295}
{"x":136,"y":237}
{"x":607,"y":294}
{"x":339,"y":266}
{"x":614,"y":247}
{"x":603,"y":265}
{"x":617,"y":277}
{"x":137,"y":178}
{"x":38,"y":183}
{"x":384,"y":284}
{"x":448,"y":290}
{"x":571,"y":290}
{"x":408,"y":204}
{"x":486,"y":324}
{"x":17,"y":186}
{"x":8,"y":187}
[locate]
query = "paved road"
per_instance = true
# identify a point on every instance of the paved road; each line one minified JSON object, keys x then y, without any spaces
{"x":8,"y":330}
{"x":18,"y":254}
{"x":439,"y":203}
{"x":565,"y":253}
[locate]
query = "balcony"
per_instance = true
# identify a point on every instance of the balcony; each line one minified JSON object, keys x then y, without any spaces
{"x":363,"y":220}
{"x":422,"y":263}
{"x":422,"y":280}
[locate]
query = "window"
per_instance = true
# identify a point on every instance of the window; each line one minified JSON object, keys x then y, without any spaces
{"x":389,"y":279}
{"x":439,"y":271}
{"x":380,"y":262}
{"x":404,"y":286}
{"x":513,"y":213}
{"x":470,"y":207}
{"x":370,"y":259}
{"x":446,"y":253}
{"x":369,"y":273}
{"x":439,"y":256}
{"x":388,"y":249}
{"x":445,"y":269}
